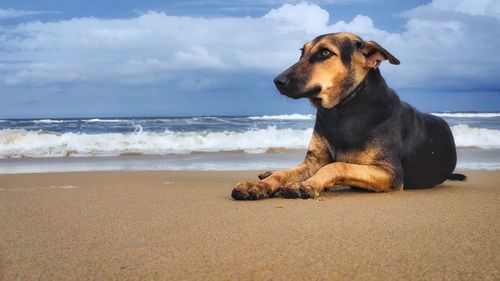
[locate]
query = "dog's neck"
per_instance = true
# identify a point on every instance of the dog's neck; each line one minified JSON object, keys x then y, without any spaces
{"x":372,"y":82}
{"x":371,"y":85}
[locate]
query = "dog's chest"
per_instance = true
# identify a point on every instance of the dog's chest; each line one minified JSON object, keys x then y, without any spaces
{"x":343,"y":134}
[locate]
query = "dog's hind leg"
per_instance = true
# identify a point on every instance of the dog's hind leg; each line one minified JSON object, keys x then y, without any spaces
{"x":370,"y":177}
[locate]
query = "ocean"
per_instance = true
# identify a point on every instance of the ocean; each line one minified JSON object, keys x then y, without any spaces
{"x":199,"y":143}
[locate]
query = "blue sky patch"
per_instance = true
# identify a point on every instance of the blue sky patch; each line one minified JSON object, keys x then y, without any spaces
{"x":171,"y":58}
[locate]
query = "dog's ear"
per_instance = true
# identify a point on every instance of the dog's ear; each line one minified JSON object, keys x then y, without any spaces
{"x":375,"y":54}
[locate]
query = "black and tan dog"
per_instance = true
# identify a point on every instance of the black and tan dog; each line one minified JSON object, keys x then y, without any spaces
{"x":364,"y":135}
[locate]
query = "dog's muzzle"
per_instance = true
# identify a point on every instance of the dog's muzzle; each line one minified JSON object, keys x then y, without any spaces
{"x":286,"y":87}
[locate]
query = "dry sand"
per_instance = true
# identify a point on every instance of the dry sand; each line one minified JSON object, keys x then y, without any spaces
{"x":184,"y":225}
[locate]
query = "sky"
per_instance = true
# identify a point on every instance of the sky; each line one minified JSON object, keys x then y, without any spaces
{"x":182,"y":58}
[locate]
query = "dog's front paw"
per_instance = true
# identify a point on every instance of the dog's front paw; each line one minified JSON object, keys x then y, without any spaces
{"x":291,"y":191}
{"x":240,"y":191}
{"x":298,"y":190}
{"x":251,"y":191}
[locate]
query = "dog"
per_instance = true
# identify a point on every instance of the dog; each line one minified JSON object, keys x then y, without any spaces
{"x":364,"y":135}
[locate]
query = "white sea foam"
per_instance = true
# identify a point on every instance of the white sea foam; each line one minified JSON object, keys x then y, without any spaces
{"x":294,"y":116}
{"x":467,"y":115}
{"x":489,"y":166}
{"x":16,"y":143}
{"x":22,"y":143}
{"x":47,"y":121}
{"x":466,"y":136}
{"x":97,"y":120}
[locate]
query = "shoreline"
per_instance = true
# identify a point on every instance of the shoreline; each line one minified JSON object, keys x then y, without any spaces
{"x":468,"y":159}
{"x":184,"y":225}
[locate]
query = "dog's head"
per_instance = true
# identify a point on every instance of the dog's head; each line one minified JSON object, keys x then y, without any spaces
{"x":330,"y":67}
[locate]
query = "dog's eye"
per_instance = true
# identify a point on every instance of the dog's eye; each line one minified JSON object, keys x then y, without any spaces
{"x":325,"y":53}
{"x":321,"y":55}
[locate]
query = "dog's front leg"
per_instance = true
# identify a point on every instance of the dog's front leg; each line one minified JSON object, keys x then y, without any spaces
{"x":318,"y":155}
{"x":372,"y":177}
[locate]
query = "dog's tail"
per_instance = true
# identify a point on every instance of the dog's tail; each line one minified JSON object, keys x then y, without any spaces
{"x":457,"y":177}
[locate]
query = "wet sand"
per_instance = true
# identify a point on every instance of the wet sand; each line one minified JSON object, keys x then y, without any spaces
{"x":184,"y":225}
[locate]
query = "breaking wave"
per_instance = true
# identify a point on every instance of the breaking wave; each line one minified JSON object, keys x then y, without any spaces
{"x":467,"y":114}
{"x":97,"y":120}
{"x":47,"y":121}
{"x":18,"y":143}
{"x":294,"y":116}
{"x":466,"y":136}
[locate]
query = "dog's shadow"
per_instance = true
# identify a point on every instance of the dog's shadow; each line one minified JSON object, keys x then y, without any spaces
{"x":338,"y":190}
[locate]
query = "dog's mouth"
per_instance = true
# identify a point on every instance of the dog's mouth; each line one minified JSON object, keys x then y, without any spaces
{"x":311,"y":94}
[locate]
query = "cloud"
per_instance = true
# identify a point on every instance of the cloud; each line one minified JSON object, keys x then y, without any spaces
{"x":12,"y":13}
{"x":441,"y":47}
{"x":302,"y":16}
{"x":260,"y":3}
{"x":153,"y":46}
{"x":471,"y":7}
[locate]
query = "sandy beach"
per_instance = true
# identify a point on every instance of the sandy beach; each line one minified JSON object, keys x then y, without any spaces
{"x":184,"y":225}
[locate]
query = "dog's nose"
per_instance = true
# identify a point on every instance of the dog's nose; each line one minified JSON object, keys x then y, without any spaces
{"x":281,"y":81}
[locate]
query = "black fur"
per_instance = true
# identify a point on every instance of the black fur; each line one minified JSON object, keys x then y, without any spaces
{"x":346,"y":50}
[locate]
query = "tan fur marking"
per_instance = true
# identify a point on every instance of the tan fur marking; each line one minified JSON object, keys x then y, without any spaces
{"x":347,"y":35}
{"x":328,"y":75}
{"x":364,"y":176}
{"x":307,"y":46}
{"x":357,"y":168}
{"x":358,"y":62}
{"x":365,"y":157}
